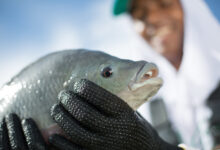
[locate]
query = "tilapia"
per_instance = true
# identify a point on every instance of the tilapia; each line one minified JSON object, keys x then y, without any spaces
{"x":34,"y":90}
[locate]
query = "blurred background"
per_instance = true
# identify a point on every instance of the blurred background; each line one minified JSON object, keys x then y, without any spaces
{"x":31,"y":29}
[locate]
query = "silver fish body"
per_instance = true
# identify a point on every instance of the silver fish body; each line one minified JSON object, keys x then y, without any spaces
{"x":34,"y":90}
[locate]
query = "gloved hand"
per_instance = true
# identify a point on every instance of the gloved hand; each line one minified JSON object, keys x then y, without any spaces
{"x":95,"y":119}
{"x":15,"y":135}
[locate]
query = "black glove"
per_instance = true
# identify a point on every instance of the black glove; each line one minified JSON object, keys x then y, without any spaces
{"x":95,"y":119}
{"x":15,"y":135}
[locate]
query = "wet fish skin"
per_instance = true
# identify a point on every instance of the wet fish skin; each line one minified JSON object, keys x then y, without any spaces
{"x":34,"y":90}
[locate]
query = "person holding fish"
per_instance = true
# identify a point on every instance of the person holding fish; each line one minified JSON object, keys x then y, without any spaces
{"x":181,"y":37}
{"x":93,"y":118}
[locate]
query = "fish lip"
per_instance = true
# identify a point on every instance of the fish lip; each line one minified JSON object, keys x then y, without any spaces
{"x":136,"y":76}
{"x":135,"y":79}
{"x":156,"y":81}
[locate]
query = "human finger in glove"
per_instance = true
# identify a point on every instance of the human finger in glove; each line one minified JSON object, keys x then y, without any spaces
{"x":15,"y":135}
{"x":95,"y":119}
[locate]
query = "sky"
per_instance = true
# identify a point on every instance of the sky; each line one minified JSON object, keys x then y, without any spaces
{"x":214,"y":5}
{"x":30,"y":29}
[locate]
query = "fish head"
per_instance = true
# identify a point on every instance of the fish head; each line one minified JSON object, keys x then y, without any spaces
{"x":135,"y":82}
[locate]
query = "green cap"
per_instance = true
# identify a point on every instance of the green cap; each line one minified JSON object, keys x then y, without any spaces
{"x":121,"y":6}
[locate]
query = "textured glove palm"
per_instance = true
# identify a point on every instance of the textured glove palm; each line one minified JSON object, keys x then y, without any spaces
{"x":95,"y":119}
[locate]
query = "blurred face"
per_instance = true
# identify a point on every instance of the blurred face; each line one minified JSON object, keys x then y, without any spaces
{"x":160,"y":23}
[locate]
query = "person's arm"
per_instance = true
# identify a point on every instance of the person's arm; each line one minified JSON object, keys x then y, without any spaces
{"x":15,"y":135}
{"x":93,"y":118}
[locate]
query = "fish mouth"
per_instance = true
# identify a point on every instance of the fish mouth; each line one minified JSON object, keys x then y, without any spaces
{"x":144,"y":86}
{"x":155,"y":82}
{"x":146,"y":75}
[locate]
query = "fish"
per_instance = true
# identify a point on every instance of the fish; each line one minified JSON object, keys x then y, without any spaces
{"x":33,"y":91}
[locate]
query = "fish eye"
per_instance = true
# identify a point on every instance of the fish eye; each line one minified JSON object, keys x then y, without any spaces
{"x":107,"y":72}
